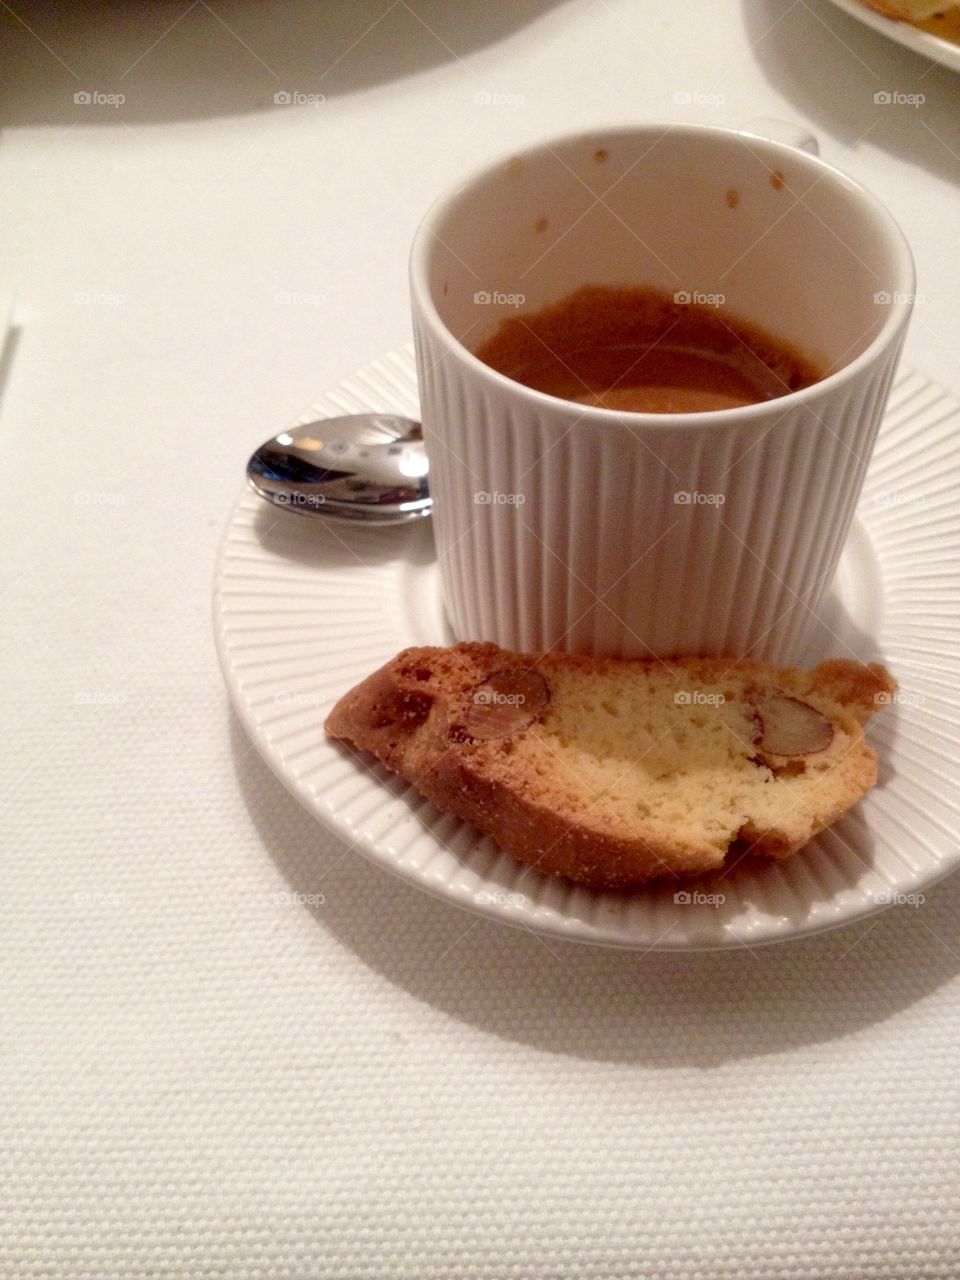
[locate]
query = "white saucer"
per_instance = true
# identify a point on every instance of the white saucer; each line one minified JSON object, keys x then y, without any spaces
{"x":303,"y":610}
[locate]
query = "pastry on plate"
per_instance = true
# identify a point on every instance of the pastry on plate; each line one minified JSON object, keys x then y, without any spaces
{"x":613,"y":772}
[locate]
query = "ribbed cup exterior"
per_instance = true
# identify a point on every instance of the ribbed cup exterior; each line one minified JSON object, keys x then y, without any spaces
{"x":606,"y":535}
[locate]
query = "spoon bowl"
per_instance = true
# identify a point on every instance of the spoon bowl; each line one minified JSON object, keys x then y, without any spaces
{"x":369,"y":467}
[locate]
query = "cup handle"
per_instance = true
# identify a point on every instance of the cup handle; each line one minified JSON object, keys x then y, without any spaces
{"x":794,"y":135}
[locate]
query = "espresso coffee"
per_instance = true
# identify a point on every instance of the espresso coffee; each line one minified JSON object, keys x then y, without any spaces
{"x":640,"y":350}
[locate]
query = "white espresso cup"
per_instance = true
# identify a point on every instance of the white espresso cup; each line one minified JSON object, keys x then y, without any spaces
{"x":565,"y":526}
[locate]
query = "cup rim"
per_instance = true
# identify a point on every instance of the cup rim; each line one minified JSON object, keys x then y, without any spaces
{"x":717,"y":419}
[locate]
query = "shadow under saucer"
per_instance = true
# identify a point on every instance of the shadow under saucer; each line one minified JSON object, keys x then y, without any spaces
{"x":658,"y":1010}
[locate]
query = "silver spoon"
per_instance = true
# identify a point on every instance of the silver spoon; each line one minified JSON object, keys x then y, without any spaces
{"x":368,"y":466}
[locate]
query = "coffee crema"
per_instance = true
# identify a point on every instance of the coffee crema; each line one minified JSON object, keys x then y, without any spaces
{"x":639,"y":350}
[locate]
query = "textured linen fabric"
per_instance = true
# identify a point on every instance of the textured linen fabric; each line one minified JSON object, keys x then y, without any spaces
{"x":229,"y":1049}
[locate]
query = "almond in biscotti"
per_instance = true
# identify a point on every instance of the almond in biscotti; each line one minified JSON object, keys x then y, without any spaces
{"x":505,"y":703}
{"x":788,"y":727}
{"x":614,"y":773}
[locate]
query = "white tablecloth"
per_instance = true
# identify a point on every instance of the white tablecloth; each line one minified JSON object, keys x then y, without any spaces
{"x":204,"y":1074}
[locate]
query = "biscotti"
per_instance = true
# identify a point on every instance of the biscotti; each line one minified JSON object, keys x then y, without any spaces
{"x":614,"y":773}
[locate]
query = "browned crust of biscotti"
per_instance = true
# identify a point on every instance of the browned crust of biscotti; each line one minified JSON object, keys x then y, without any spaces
{"x":380,"y":714}
{"x":863,"y":690}
{"x":408,"y":711}
{"x":538,"y":836}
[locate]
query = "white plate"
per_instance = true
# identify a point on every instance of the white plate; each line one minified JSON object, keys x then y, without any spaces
{"x":304,"y":610}
{"x":931,"y":46}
